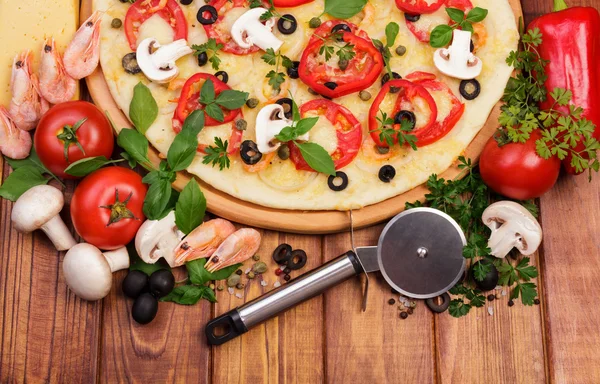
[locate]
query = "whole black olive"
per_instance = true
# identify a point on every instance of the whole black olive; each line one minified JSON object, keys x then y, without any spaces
{"x":490,"y":280}
{"x":386,"y":77}
{"x":207,"y":14}
{"x":202,"y":59}
{"x":144,"y":308}
{"x":282,"y":253}
{"x":130,"y":64}
{"x":472,"y":46}
{"x":292,"y":71}
{"x":249,"y":152}
{"x":161,"y":283}
{"x":287,"y":24}
{"x":223,"y":76}
{"x":339,"y":182}
{"x":441,"y":307}
{"x":387,"y":173}
{"x":405,"y":115}
{"x":340,"y":28}
{"x":331,"y":85}
{"x":287,"y":105}
{"x":469,"y":89}
{"x":134,"y":284}
{"x":297,"y":261}
{"x":412,"y":18}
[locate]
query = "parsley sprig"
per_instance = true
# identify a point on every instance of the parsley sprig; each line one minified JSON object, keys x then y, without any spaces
{"x":332,"y":45}
{"x":391,"y":32}
{"x":388,"y":134}
{"x":211,"y":48}
{"x":441,"y":35}
{"x":271,"y":11}
{"x":276,"y":78}
{"x":520,"y":274}
{"x":217,"y":154}
{"x":562,"y":126}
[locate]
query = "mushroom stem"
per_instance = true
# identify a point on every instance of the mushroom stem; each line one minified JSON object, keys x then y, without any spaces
{"x":58,"y":233}
{"x":117,"y":259}
{"x":502,"y":241}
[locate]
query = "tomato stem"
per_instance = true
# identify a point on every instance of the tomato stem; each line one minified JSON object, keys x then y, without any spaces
{"x":560,"y":5}
{"x":68,"y":136}
{"x":119,"y":210}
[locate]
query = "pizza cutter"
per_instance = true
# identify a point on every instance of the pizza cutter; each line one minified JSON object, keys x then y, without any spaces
{"x":419,"y":253}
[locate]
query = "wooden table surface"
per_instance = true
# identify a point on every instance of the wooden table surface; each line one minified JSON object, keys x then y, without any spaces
{"x":49,"y":335}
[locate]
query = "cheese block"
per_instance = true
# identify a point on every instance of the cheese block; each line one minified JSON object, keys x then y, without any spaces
{"x":25,"y":25}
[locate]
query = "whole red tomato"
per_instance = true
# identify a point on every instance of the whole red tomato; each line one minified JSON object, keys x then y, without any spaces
{"x":62,"y":133}
{"x":516,"y":171}
{"x":106,"y":208}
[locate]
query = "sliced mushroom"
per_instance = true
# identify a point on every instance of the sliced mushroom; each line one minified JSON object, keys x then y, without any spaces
{"x":158,"y":62}
{"x":249,"y":30}
{"x":270,"y":120}
{"x":512,"y":226}
{"x":158,"y":238}
{"x":457,"y":60}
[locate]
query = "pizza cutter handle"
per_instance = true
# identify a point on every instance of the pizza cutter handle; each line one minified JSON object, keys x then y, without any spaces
{"x":237,"y":321}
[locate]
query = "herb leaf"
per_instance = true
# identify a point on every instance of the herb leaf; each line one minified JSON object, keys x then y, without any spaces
{"x":344,"y":9}
{"x":184,"y":147}
{"x":143,"y":109}
{"x":190,"y":208}
{"x":232,"y":99}
{"x":190,"y":295}
{"x":391,"y":32}
{"x":211,"y":49}
{"x":157,"y":198}
{"x":316,"y":157}
{"x":456,"y":15}
{"x":88,"y":165}
{"x":136,"y":145}
{"x":199,"y":275}
{"x":217,"y":155}
{"x":32,"y":160}
{"x":20,"y":180}
{"x":476,"y":15}
{"x":441,"y":36}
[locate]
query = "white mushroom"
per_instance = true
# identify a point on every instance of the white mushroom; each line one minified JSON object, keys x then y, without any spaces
{"x":270,"y":120}
{"x":457,"y":60}
{"x":158,"y":238}
{"x":39,"y":208}
{"x":88,"y":271}
{"x":512,"y":226}
{"x":158,"y":62}
{"x":248,"y":30}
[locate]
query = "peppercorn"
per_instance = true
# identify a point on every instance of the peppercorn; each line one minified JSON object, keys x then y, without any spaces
{"x":491,"y":297}
{"x":315,"y":22}
{"x":403,"y":315}
{"x":410,"y":311}
{"x":364,"y":95}
{"x":287,"y":270}
{"x":391,"y":301}
{"x":400,"y":50}
{"x":536,"y":301}
{"x":278,"y":271}
{"x":252,"y":102}
{"x":239,"y":286}
{"x":511,"y":303}
{"x":239,"y":272}
{"x":255,"y":257}
{"x":287,"y":277}
{"x":498,"y":296}
{"x":251,"y":275}
{"x":413,"y":304}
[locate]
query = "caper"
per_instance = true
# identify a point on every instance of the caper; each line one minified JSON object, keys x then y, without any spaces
{"x":259,"y":267}
{"x":255,"y":257}
{"x":315,"y":22}
{"x":241,"y":125}
{"x":220,"y":288}
{"x":239,"y":286}
{"x":211,"y":286}
{"x":251,"y":275}
{"x":116,"y":23}
{"x":383,"y":150}
{"x":400,"y":50}
{"x":364,"y":95}
{"x":239,"y":272}
{"x":233,"y":280}
{"x":252,"y":102}
{"x":343,"y":64}
{"x":283,"y":152}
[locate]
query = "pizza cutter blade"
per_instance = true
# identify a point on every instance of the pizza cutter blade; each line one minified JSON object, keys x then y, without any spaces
{"x":419,"y":253}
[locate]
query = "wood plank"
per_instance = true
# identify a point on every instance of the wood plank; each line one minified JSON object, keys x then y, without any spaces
{"x":47,"y":333}
{"x":375,"y":346}
{"x":286,"y":349}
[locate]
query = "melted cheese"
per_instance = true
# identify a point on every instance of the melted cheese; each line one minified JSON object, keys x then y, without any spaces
{"x":158,"y":28}
{"x":431,"y":20}
{"x":324,"y":134}
{"x":25,"y":24}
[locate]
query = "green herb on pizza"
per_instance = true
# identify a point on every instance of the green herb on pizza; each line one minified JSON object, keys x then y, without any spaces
{"x":441,"y":35}
{"x":343,"y":9}
{"x":211,"y":49}
{"x":391,"y":32}
{"x":217,"y":154}
{"x":388,"y":134}
{"x":276,"y":77}
{"x":143,"y":109}
{"x":228,"y":99}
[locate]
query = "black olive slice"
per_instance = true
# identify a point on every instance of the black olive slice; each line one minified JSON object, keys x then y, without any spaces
{"x":331,"y":85}
{"x":130,"y":64}
{"x":287,"y":24}
{"x":441,"y":307}
{"x":186,"y":2}
{"x":469,"y":89}
{"x":223,"y":76}
{"x":202,"y":59}
{"x":387,"y":173}
{"x":292,"y":71}
{"x":386,"y":77}
{"x":472,"y":46}
{"x":207,"y":14}
{"x":405,"y":115}
{"x":412,"y":18}
{"x":282,"y":253}
{"x":250,"y":153}
{"x":287,"y":105}
{"x":334,"y":181}
{"x":298,"y":260}
{"x":339,"y":28}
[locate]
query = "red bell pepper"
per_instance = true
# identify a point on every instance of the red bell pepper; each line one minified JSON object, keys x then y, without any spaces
{"x":571,"y":43}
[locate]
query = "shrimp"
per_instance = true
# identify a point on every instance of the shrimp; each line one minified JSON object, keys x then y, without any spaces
{"x":14,"y":142}
{"x":55,"y":85}
{"x":83,"y":53}
{"x":27,"y":105}
{"x":203,"y":241}
{"x":237,"y":248}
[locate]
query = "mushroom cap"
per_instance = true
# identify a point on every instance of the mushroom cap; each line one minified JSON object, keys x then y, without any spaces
{"x":456,"y":65}
{"x":87,"y":272}
{"x":154,"y":235}
{"x":36,"y":207}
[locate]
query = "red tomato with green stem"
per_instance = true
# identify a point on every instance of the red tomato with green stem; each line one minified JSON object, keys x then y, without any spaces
{"x":72,"y":131}
{"x":142,"y":10}
{"x":516,"y":171}
{"x":106,"y":208}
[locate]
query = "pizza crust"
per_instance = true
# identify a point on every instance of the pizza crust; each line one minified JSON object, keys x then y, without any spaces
{"x":282,"y":186}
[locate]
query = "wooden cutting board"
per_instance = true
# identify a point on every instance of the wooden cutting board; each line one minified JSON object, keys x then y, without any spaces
{"x":307,"y":222}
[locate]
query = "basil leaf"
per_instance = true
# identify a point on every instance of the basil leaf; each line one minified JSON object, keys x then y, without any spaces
{"x":295,"y":110}
{"x":317,"y":157}
{"x":207,"y":92}
{"x":151,"y":177}
{"x":344,"y":9}
{"x":467,"y":27}
{"x":476,"y":15}
{"x":185,"y":145}
{"x":190,"y":208}
{"x":214,"y":111}
{"x":137,"y":264}
{"x":31,"y":160}
{"x":190,"y":295}
{"x":286,"y":134}
{"x":305,"y":125}
{"x":157,"y":198}
{"x":130,"y":160}
{"x":136,"y":145}
{"x":232,"y":99}
{"x":88,"y":165}
{"x":20,"y":180}
{"x":440,"y":36}
{"x":199,"y":275}
{"x":143,"y":109}
{"x":391,"y":32}
{"x":456,"y":15}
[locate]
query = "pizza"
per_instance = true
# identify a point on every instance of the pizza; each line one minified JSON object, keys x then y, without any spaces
{"x":345,"y":104}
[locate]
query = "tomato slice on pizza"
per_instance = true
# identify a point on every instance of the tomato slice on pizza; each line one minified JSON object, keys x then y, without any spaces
{"x":142,"y":10}
{"x":348,"y":132}
{"x":418,"y":7}
{"x":421,"y":24}
{"x":333,"y":43}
